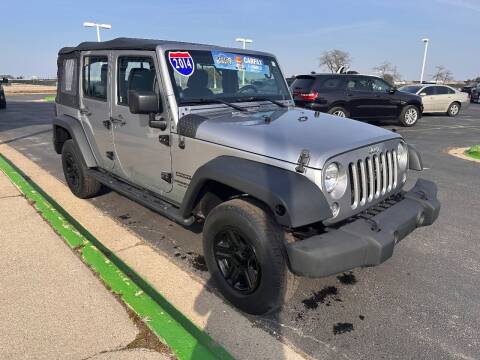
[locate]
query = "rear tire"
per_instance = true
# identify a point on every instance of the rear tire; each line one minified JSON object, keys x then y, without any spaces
{"x":453,"y":109}
{"x":409,"y":116}
{"x":80,"y":183}
{"x":244,"y":249}
{"x":339,"y":111}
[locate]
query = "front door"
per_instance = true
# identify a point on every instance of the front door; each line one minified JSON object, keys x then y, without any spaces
{"x":143,"y":153}
{"x":364,"y":103}
{"x":95,"y":108}
{"x":429,"y":99}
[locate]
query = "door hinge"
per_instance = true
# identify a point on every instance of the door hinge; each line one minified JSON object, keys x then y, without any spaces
{"x":303,"y":161}
{"x":164,"y":139}
{"x":167,"y":177}
{"x":110,"y":155}
{"x":107,"y":124}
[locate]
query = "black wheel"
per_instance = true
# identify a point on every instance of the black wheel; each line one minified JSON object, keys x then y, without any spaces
{"x":3,"y":104}
{"x":409,"y":116}
{"x":339,"y":111}
{"x":75,"y":171}
{"x":453,"y":109}
{"x":244,"y":250}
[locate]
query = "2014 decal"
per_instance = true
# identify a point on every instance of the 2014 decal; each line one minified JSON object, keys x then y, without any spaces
{"x":182,"y":62}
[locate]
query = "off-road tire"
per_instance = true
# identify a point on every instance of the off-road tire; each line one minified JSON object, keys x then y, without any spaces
{"x":454,"y":109}
{"x":80,"y":183}
{"x":407,"y":121}
{"x":256,"y":225}
{"x":337,"y":110}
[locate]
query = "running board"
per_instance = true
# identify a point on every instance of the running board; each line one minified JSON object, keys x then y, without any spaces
{"x":142,"y":197}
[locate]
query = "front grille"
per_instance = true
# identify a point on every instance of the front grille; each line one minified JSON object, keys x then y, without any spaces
{"x":373,"y":177}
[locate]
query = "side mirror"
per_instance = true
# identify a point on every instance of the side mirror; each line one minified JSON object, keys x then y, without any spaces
{"x":143,"y":102}
{"x":392,"y":90}
{"x":423,"y":94}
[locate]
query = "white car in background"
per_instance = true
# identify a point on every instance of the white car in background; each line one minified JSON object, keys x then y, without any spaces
{"x":439,"y":98}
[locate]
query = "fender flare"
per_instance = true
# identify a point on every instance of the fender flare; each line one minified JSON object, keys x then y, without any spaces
{"x":414,"y":159}
{"x":293,"y":199}
{"x":77,"y":133}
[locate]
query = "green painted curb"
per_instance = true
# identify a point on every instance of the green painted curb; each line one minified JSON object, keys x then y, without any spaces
{"x":185,"y":339}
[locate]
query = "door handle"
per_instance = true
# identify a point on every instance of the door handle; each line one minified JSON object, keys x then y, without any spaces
{"x":118,"y":120}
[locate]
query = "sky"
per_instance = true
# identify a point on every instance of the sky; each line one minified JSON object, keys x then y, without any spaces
{"x":297,"y":32}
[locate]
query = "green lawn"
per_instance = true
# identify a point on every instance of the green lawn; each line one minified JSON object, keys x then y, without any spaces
{"x":50,"y":98}
{"x":474,"y":152}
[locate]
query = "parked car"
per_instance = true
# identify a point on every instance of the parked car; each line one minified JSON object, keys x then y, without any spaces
{"x":439,"y":98}
{"x":186,"y":130}
{"x":467,"y":89}
{"x":3,"y":100}
{"x":359,"y":97}
{"x":475,"y":94}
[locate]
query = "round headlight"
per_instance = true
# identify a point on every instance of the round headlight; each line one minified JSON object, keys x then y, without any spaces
{"x":402,"y":155}
{"x":331,"y":177}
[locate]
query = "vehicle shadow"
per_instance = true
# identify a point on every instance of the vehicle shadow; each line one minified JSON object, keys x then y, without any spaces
{"x":242,"y":344}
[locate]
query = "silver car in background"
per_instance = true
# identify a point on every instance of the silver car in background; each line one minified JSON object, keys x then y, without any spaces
{"x":439,"y":98}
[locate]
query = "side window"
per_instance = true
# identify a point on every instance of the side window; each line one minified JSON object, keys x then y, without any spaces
{"x":359,"y":84}
{"x":451,"y":91}
{"x":95,"y":77}
{"x":442,"y":90}
{"x":134,"y":73}
{"x":430,"y":90}
{"x":379,"y":85}
{"x":68,"y":83}
{"x":329,"y":83}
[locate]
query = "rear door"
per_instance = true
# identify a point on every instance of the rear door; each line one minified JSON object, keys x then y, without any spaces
{"x":95,"y":108}
{"x":143,"y":153}
{"x":444,"y":98}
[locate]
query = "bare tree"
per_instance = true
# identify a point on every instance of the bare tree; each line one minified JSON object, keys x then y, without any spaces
{"x":333,"y":60}
{"x":442,"y":74}
{"x":388,"y":72}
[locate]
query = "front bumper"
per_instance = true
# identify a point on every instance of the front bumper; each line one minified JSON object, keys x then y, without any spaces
{"x":365,"y":242}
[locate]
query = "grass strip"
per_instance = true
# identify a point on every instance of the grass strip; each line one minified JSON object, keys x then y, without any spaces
{"x":473,"y":152}
{"x":186,"y":340}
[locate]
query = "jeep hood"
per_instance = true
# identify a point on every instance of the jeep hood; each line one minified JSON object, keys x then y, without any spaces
{"x":283,"y":133}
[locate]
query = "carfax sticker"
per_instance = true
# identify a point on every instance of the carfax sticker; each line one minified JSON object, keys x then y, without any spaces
{"x":182,"y":62}
{"x":246,"y":63}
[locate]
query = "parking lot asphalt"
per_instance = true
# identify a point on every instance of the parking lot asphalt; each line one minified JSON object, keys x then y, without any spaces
{"x":420,"y":304}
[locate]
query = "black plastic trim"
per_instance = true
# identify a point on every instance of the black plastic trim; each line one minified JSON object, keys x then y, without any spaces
{"x":414,"y":159}
{"x":75,"y":130}
{"x":294,"y":200}
{"x":365,"y":242}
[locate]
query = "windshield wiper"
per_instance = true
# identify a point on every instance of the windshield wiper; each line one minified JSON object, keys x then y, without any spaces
{"x":261,"y":98}
{"x":218,"y":101}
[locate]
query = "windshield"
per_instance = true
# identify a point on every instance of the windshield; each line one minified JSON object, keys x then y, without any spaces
{"x":413,"y":89}
{"x":203,"y":76}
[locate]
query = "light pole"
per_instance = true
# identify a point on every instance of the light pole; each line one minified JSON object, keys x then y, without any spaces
{"x":425,"y":41}
{"x":244,"y":42}
{"x":98,"y":26}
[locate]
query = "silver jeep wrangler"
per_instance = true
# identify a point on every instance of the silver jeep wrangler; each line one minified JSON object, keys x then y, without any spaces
{"x":199,"y":132}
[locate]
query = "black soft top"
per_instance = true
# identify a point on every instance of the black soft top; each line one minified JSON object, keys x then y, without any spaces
{"x":140,"y":44}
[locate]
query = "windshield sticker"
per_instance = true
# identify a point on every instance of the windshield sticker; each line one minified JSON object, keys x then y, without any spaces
{"x":181,"y":62}
{"x":237,"y":62}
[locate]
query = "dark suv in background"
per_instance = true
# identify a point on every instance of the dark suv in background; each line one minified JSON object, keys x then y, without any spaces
{"x":3,"y":101}
{"x":359,"y":97}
